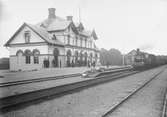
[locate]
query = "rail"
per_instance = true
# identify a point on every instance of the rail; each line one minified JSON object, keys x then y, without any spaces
{"x":54,"y":78}
{"x":59,"y":90}
{"x":106,"y":114}
{"x":164,"y":111}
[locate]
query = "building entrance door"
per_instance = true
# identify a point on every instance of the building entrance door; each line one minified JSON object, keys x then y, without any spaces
{"x":56,"y":55}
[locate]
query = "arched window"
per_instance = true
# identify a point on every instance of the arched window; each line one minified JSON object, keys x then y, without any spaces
{"x":96,"y":56}
{"x":91,"y":57}
{"x":90,"y":44}
{"x":76,"y":57}
{"x":81,"y":41}
{"x":69,"y":58}
{"x":76,"y":41}
{"x":27,"y":56}
{"x":36,"y":54}
{"x":85,"y":43}
{"x":81,"y":58}
{"x":69,"y":53}
{"x":55,"y":52}
{"x":85,"y":55}
{"x":68,"y":39}
{"x":19,"y":53}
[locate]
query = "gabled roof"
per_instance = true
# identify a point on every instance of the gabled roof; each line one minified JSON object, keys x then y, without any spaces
{"x":132,"y":52}
{"x":57,"y":24}
{"x":82,"y":30}
{"x":76,"y":24}
{"x":54,"y":24}
{"x":80,"y":27}
{"x":94,"y":34}
{"x":88,"y":33}
{"x":45,"y":35}
{"x":60,"y":24}
{"x":21,"y":27}
{"x":96,"y":47}
{"x":48,"y":21}
{"x":39,"y":31}
{"x":141,"y":53}
{"x":85,"y":33}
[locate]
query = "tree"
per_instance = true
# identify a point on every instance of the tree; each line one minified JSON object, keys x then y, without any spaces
{"x":103,"y":56}
{"x":115,"y":57}
{"x":111,"y":57}
{"x":4,"y":63}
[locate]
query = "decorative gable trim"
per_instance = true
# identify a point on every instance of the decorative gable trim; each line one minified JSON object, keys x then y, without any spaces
{"x":94,"y":35}
{"x":21,"y":27}
{"x":25,"y":24}
{"x":81,"y":27}
{"x":131,"y":52}
{"x":73,"y":27}
{"x":15,"y":34}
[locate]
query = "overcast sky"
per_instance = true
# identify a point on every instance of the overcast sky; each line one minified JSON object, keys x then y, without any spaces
{"x":120,"y":24}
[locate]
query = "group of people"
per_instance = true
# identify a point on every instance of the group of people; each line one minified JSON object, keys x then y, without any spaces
{"x":46,"y":63}
{"x":79,"y":64}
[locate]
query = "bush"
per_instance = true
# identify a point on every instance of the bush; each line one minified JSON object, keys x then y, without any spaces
{"x":4,"y":63}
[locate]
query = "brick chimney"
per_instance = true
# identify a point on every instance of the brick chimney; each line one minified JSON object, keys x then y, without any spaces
{"x":138,"y":50}
{"x":51,"y":13}
{"x":69,"y":18}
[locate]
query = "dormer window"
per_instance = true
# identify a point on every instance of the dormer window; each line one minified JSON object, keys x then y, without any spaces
{"x":27,"y":36}
{"x":42,"y":25}
{"x":54,"y":37}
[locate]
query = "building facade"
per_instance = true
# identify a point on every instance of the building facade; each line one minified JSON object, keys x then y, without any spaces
{"x":133,"y":56}
{"x":54,"y":42}
{"x":129,"y":58}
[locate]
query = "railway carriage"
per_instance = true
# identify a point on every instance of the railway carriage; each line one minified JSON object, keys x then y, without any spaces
{"x":144,"y":60}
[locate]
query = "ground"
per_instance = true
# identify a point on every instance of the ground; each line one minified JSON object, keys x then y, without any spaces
{"x":91,"y":102}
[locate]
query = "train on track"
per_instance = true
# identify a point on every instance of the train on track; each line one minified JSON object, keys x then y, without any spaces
{"x":144,"y":60}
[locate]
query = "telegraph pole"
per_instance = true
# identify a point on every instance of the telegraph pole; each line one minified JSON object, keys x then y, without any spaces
{"x":79,"y":15}
{"x":123,"y":59}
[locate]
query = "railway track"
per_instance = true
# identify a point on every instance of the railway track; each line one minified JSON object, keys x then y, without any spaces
{"x":6,"y":84}
{"x":111,"y":110}
{"x":37,"y":80}
{"x":7,"y":103}
{"x":164,"y":110}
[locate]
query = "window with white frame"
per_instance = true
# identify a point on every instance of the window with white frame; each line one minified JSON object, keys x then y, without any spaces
{"x":76,"y":40}
{"x":68,"y":39}
{"x":36,"y":56}
{"x":27,"y":56}
{"x":85,"y":43}
{"x":27,"y":36}
{"x":81,"y":41}
{"x":90,"y":44}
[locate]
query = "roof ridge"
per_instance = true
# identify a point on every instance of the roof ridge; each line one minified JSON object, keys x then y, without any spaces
{"x":45,"y":36}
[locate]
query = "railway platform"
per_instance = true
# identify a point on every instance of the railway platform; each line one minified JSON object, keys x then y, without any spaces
{"x":42,"y":73}
{"x":20,"y":89}
{"x":12,"y":90}
{"x":47,"y":72}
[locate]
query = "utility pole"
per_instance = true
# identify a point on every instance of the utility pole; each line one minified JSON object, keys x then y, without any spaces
{"x":79,"y":15}
{"x":123,"y":59}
